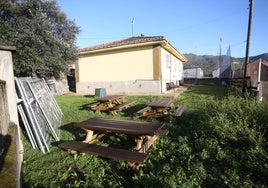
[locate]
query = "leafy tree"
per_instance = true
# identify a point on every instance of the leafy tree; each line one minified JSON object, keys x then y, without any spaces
{"x":42,"y":34}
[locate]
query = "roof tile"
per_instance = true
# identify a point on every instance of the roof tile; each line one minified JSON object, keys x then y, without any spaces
{"x":123,"y":42}
{"x":265,"y":63}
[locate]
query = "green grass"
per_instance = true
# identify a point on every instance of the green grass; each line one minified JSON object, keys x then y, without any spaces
{"x":220,"y":141}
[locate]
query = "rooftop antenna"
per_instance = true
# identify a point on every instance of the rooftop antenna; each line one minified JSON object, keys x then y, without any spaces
{"x":132,"y":23}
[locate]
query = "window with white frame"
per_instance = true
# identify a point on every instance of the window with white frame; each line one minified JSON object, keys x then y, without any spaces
{"x":168,"y":61}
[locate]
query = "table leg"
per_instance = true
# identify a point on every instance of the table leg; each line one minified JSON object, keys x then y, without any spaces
{"x":119,"y":100}
{"x":91,"y":137}
{"x":148,"y":143}
{"x":88,"y":136}
{"x":139,"y":142}
{"x":103,"y":107}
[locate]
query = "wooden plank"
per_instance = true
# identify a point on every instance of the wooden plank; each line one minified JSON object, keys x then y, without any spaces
{"x":162,"y":103}
{"x":123,"y":105}
{"x":110,"y":98}
{"x":179,"y":111}
{"x":106,"y":152}
{"x":138,"y":128}
{"x":162,"y":132}
{"x":144,"y":110}
{"x":150,"y":140}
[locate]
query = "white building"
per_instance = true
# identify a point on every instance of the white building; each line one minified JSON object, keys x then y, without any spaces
{"x":193,"y":73}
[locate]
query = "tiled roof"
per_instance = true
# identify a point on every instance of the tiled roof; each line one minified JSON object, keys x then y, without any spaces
{"x":265,"y":63}
{"x":124,"y":42}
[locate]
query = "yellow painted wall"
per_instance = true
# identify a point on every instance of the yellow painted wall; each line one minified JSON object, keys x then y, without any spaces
{"x":117,"y":65}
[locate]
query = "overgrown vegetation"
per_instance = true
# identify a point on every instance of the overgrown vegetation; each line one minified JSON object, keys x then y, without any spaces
{"x":220,"y":141}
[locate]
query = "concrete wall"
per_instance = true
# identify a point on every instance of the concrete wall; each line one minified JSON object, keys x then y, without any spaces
{"x":123,"y":87}
{"x":4,"y":115}
{"x":12,"y":132}
{"x":203,"y":81}
{"x":6,"y":74}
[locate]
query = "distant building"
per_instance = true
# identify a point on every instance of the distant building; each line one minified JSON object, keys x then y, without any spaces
{"x":225,"y":65}
{"x":257,"y":71}
{"x":237,"y":70}
{"x":193,"y":73}
{"x":216,"y":73}
{"x":135,"y":65}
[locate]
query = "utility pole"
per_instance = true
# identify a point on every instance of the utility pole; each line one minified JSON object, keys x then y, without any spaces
{"x":248,"y":44}
{"x":219,"y":66}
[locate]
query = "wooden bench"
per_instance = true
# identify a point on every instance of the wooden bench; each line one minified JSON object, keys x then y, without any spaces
{"x":122,"y":106}
{"x":144,"y":110}
{"x":132,"y":157}
{"x":162,"y":132}
{"x":179,"y":111}
{"x":171,"y":85}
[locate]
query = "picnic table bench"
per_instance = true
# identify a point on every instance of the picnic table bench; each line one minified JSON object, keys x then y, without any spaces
{"x":131,"y":157}
{"x":122,"y":106}
{"x":144,"y":111}
{"x":171,"y":85}
{"x":179,"y":110}
{"x":160,"y":108}
{"x":145,"y":134}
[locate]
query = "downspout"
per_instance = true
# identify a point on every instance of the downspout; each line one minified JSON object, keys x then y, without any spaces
{"x":259,"y":88}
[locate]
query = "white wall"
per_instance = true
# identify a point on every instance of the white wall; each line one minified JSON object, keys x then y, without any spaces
{"x":193,"y":73}
{"x":172,"y":68}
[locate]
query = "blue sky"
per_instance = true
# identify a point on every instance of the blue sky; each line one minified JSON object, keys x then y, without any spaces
{"x":192,"y":26}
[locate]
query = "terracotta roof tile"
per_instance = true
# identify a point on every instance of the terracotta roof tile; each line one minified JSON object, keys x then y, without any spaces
{"x":265,"y":63}
{"x":123,"y":42}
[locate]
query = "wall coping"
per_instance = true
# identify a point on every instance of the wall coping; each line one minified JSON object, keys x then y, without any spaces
{"x":7,"y":48}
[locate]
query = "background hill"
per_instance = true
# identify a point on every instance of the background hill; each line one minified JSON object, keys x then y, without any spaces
{"x":208,"y":63}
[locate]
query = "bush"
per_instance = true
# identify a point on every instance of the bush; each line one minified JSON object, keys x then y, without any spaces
{"x":233,"y":142}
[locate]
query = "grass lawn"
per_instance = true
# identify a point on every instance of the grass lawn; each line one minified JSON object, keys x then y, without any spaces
{"x":220,"y":140}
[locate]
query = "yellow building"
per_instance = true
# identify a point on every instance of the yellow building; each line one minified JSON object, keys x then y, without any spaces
{"x":136,"y":65}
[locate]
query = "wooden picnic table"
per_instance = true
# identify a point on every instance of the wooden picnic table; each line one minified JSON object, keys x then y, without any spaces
{"x":114,"y":99}
{"x":108,"y":103}
{"x":162,"y":103}
{"x":158,"y":108}
{"x":136,"y":128}
{"x":145,"y":134}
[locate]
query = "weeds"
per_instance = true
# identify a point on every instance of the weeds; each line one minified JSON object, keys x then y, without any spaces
{"x":220,"y":141}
